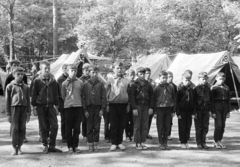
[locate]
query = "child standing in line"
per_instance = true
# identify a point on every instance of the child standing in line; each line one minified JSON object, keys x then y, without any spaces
{"x":185,"y":107}
{"x":18,"y":108}
{"x":203,"y":107}
{"x":94,"y":104}
{"x":221,"y":107}
{"x":60,"y":80}
{"x":72,"y":96}
{"x":165,"y":108}
{"x":141,"y":99}
{"x":117,"y":97}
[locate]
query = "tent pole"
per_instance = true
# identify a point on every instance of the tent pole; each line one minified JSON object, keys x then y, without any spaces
{"x":234,"y":86}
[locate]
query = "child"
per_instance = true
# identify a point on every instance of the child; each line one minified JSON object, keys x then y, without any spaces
{"x":203,"y":107}
{"x":165,"y":108}
{"x":45,"y":100}
{"x":220,"y":108}
{"x":84,"y":78}
{"x":71,"y":94}
{"x":117,"y":97}
{"x":185,"y":106}
{"x":94,"y":104}
{"x":129,"y":122}
{"x":18,"y":108}
{"x":153,"y":83}
{"x":60,"y":80}
{"x":170,"y":82}
{"x":141,"y":99}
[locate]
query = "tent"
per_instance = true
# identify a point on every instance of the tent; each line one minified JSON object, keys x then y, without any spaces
{"x":236,"y":60}
{"x":156,"y":62}
{"x":3,"y":77}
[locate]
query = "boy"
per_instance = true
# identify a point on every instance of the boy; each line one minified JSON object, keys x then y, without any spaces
{"x":117,"y":97}
{"x":165,"y":107}
{"x":129,"y":122}
{"x":60,"y":80}
{"x":153,"y":83}
{"x":94,"y":104}
{"x":185,"y":106}
{"x":170,"y":82}
{"x":141,"y":99}
{"x":84,"y":78}
{"x":203,"y":107}
{"x":220,"y":108}
{"x":45,"y":100}
{"x":72,"y":96}
{"x":18,"y":108}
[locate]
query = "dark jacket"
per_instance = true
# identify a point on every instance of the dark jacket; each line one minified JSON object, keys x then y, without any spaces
{"x":164,"y":96}
{"x":94,"y":93}
{"x":174,"y":87}
{"x":84,"y":78}
{"x":10,"y":78}
{"x":141,"y":94}
{"x":60,"y":80}
{"x":220,"y":93}
{"x":185,"y":99}
{"x":17,"y":94}
{"x":45,"y":93}
{"x":203,"y":97}
{"x":31,"y":85}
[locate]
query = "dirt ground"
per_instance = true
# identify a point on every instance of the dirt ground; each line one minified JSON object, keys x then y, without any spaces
{"x":131,"y":157}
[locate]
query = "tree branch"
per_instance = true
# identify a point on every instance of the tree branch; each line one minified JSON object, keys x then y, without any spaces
{"x":5,"y":6}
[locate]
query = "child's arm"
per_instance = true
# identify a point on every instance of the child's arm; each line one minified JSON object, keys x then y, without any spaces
{"x":155,"y":95}
{"x":174,"y":99}
{"x":151,"y":95}
{"x":56,"y":92}
{"x":63,"y":91}
{"x":132,"y":97}
{"x":195,"y":102}
{"x":177,"y":104}
{"x":34,"y":93}
{"x":84,"y":94}
{"x":229,"y":102}
{"x":8,"y":100}
{"x":28,"y":104}
{"x":103,"y":97}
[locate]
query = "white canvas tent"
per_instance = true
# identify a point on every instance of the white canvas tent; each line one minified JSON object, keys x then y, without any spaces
{"x":236,"y":60}
{"x":156,"y":62}
{"x":3,"y":77}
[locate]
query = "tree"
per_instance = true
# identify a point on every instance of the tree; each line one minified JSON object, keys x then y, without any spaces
{"x":55,"y":28}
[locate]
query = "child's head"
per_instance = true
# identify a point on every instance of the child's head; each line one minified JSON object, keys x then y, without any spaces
{"x":93,"y":71}
{"x":85,"y":69}
{"x":220,"y":78}
{"x":131,"y":74}
{"x":65,"y":69}
{"x":18,"y":73}
{"x":163,"y":76}
{"x":118,"y":68}
{"x":186,"y":78}
{"x":170,"y":77}
{"x":202,"y":78}
{"x":14,"y":64}
{"x":72,"y":70}
{"x":147,"y":73}
{"x":45,"y":67}
{"x":189,"y":72}
{"x":141,"y":73}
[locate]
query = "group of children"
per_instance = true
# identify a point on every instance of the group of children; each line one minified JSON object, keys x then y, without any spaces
{"x":126,"y":103}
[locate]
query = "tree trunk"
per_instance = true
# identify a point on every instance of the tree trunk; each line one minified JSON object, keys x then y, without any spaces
{"x":55,"y":29}
{"x":11,"y":35}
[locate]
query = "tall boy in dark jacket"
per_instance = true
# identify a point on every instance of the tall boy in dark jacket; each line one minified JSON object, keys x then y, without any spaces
{"x":185,"y":107}
{"x":18,"y":108}
{"x":164,"y":104}
{"x":141,"y":99}
{"x":94,"y":104}
{"x":221,"y":107}
{"x":203,"y":107}
{"x":45,"y":100}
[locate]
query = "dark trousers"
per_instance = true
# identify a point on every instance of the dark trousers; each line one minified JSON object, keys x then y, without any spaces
{"x":221,"y":109}
{"x":106,"y":117}
{"x":129,"y":124}
{"x":18,"y":125}
{"x":164,"y":117}
{"x":184,"y":127}
{"x":141,"y":124}
{"x":201,"y":126}
{"x":84,"y":127}
{"x":47,"y":116}
{"x":170,"y":129}
{"x":150,"y":122}
{"x":73,"y":117}
{"x":93,"y":124}
{"x":63,"y":124}
{"x":118,"y":116}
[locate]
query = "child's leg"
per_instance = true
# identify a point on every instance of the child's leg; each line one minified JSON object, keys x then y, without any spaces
{"x":42,"y":119}
{"x":182,"y":128}
{"x":96,"y":125}
{"x":90,"y":125}
{"x":224,"y":117}
{"x":84,"y":127}
{"x":198,"y":128}
{"x":63,"y":128}
{"x":170,"y":129}
{"x":188,"y":125}
{"x":106,"y":118}
{"x":78,"y":114}
{"x":167,"y":124}
{"x":114,"y":121}
{"x":137,"y":125}
{"x":122,"y":114}
{"x":160,"y":122}
{"x":218,"y":123}
{"x":69,"y":126}
{"x":15,"y":118}
{"x":53,"y":122}
{"x":144,"y":123}
{"x":127,"y":127}
{"x":131,"y":123}
{"x":205,"y":126}
{"x":22,"y":125}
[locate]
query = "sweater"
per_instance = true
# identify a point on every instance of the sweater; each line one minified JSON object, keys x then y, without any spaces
{"x":203,"y":97}
{"x":10,"y":78}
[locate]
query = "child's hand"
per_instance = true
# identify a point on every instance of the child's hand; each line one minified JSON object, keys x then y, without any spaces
{"x":56,"y":110}
{"x":28,"y":118}
{"x":100,"y":113}
{"x":210,"y":114}
{"x":128,"y":108}
{"x":228,"y":115}
{"x":107,"y":109}
{"x":155,"y":116}
{"x":87,"y":114}
{"x":9,"y":118}
{"x":214,"y":116}
{"x":179,"y":117}
{"x":194,"y":116}
{"x":135,"y":112}
{"x":173,"y":114}
{"x":35,"y":111}
{"x":150,"y":111}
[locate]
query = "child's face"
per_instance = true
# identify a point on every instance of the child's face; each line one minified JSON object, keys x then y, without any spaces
{"x":72,"y":73}
{"x":202,"y":80}
{"x":141,"y":75}
{"x":163,"y":79}
{"x":14,"y":65}
{"x":93,"y":74}
{"x":132,"y":76}
{"x":220,"y":80}
{"x":186,"y":81}
{"x":170,"y":78}
{"x":65,"y":70}
{"x":45,"y":69}
{"x":85,"y":72}
{"x":18,"y":76}
{"x":147,"y":75}
{"x":118,"y":70}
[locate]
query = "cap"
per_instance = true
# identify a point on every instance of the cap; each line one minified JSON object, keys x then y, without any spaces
{"x":93,"y":68}
{"x":202,"y":75}
{"x":17,"y":69}
{"x":140,"y":69}
{"x":72,"y":66}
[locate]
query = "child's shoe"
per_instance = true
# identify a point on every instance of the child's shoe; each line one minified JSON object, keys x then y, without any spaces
{"x":166,"y":147}
{"x":144,"y":147}
{"x":20,"y":151}
{"x":162,"y":147}
{"x":70,"y":150}
{"x":77,"y":150}
{"x":169,"y":138}
{"x":199,"y":146}
{"x":222,"y":145}
{"x":130,"y":138}
{"x":138,"y":146}
{"x":121,"y":147}
{"x":183,"y":146}
{"x":113,"y":147}
{"x":187,"y":146}
{"x":204,"y":146}
{"x":14,"y":151}
{"x":216,"y":145}
{"x":95,"y":147}
{"x":45,"y":150}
